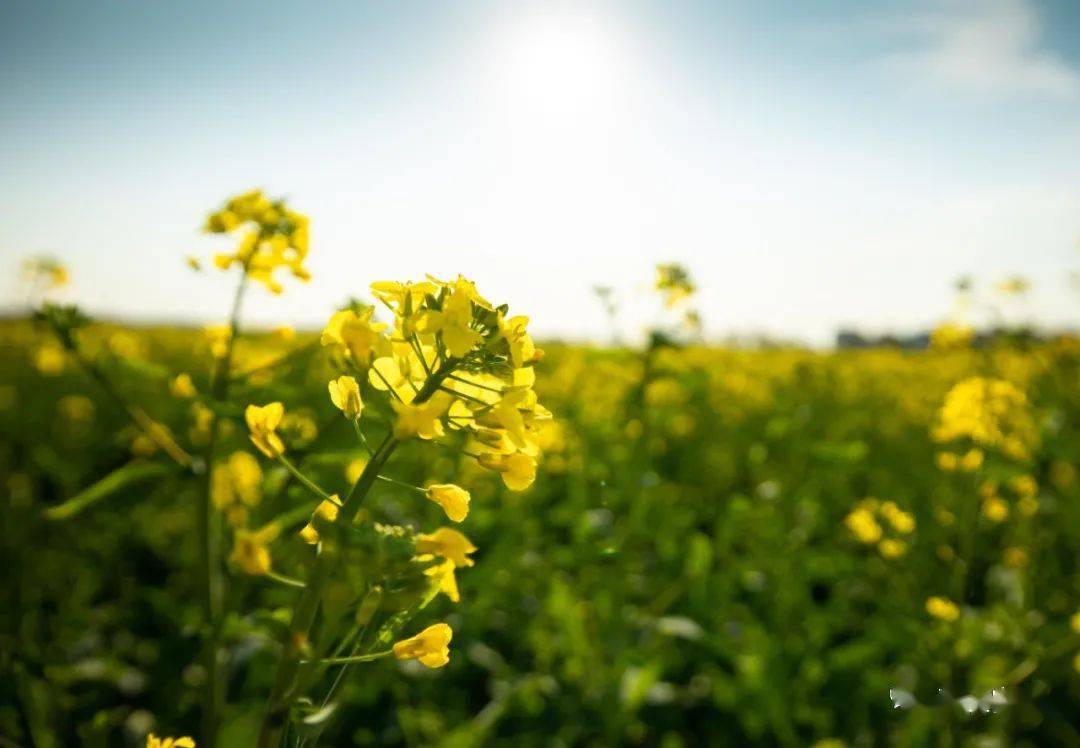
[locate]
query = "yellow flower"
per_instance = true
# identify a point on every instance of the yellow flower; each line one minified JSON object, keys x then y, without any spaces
{"x":420,"y":420}
{"x":251,"y":550}
{"x":862,"y":524}
{"x":354,"y":334}
{"x":991,"y":412}
{"x":1024,"y":486}
{"x":355,"y":469}
{"x":673,"y":282}
{"x":181,"y":386}
{"x":453,"y":499}
{"x":454,"y":321}
{"x":942,"y":608}
{"x":431,"y":646}
{"x":153,"y":741}
{"x":327,"y":510}
{"x":951,"y":335}
{"x":444,"y":574}
{"x":900,"y":520}
{"x":218,"y":337}
{"x":995,"y":509}
{"x":947,"y":461}
{"x":46,"y":271}
{"x":345,"y":394}
{"x":890,"y":548}
{"x":49,"y":360}
{"x":235,"y":485}
{"x":1074,"y":622}
{"x":274,"y":237}
{"x":262,"y":421}
{"x":446,"y":543}
{"x":972,"y":460}
{"x":518,"y":470}
{"x":522,"y":349}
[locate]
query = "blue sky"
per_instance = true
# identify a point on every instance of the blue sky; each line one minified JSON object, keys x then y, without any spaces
{"x":815,"y":164}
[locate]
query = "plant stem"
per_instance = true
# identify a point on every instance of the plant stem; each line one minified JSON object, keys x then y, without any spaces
{"x":209,"y":542}
{"x":285,"y":689}
{"x":310,"y":484}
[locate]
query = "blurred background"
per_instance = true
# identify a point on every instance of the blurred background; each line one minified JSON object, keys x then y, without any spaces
{"x":806,"y":281}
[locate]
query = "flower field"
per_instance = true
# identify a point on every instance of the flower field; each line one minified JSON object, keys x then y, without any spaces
{"x":419,"y":526}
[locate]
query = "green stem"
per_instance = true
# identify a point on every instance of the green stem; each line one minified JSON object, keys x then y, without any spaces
{"x":354,"y":658}
{"x":361,"y":437}
{"x":310,"y":484}
{"x":402,"y":483}
{"x":209,"y":541}
{"x":288,"y":581}
{"x":285,"y":690}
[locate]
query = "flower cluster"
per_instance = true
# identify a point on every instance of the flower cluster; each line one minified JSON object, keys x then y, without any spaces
{"x":450,"y":368}
{"x":882,"y":524}
{"x":271,"y":236}
{"x":674,"y":283}
{"x":991,"y":413}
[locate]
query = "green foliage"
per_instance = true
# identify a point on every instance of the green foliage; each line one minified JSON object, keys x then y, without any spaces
{"x":680,"y":574}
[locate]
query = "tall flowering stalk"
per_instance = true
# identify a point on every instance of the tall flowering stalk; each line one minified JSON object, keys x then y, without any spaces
{"x":271,"y":236}
{"x":452,"y":369}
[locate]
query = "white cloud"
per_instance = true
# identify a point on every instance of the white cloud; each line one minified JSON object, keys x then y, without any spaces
{"x":990,"y":47}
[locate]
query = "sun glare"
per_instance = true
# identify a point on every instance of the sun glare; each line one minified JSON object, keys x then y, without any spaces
{"x":558,"y":63}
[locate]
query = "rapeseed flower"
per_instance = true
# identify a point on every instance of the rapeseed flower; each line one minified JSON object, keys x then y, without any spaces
{"x":447,"y":543}
{"x":251,"y":549}
{"x":152,"y":741}
{"x":182,"y":387}
{"x":327,"y":510}
{"x":454,"y":500}
{"x":263,"y":422}
{"x":431,"y":646}
{"x":345,"y":394}
{"x":942,"y":608}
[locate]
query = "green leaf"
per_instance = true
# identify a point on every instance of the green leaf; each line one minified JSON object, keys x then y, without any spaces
{"x":129,"y":474}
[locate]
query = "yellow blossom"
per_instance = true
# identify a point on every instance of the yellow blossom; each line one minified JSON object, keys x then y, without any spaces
{"x":327,"y":510}
{"x":972,"y":460}
{"x":420,"y":420}
{"x":518,"y":470}
{"x":942,"y":608}
{"x":152,"y":741}
{"x":446,"y":543}
{"x":354,"y":334}
{"x":218,"y":337}
{"x":892,"y":548}
{"x":995,"y":509}
{"x":181,"y":386}
{"x":431,"y":646}
{"x":49,"y":360}
{"x":991,"y":412}
{"x":444,"y":574}
{"x":251,"y":552}
{"x":453,"y":499}
{"x":263,"y":422}
{"x":900,"y":520}
{"x":355,"y":469}
{"x":950,"y":335}
{"x":862,"y":524}
{"x":1024,"y":486}
{"x":345,"y":394}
